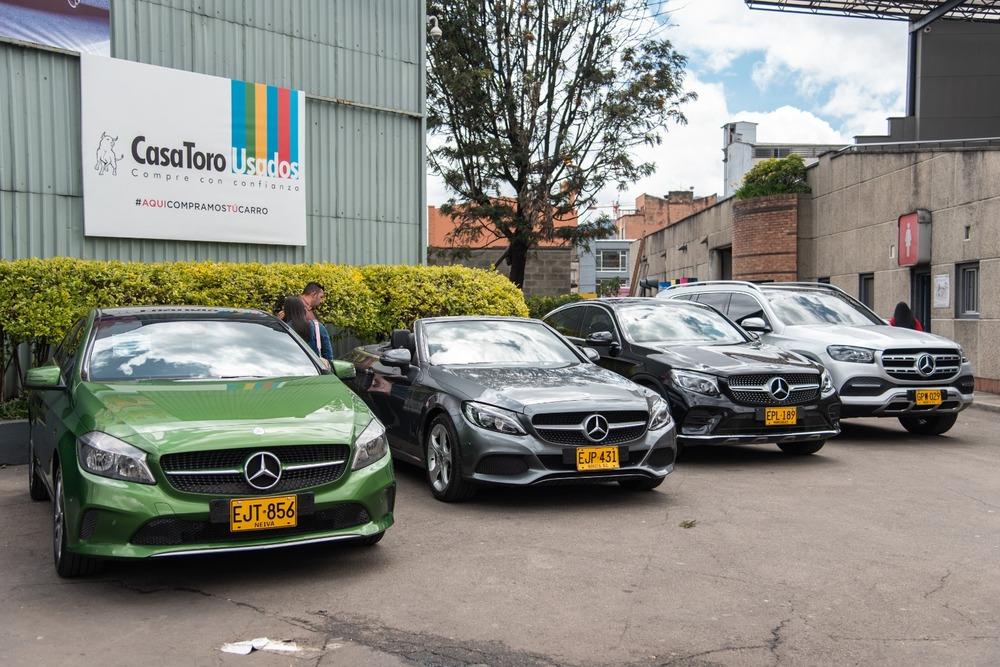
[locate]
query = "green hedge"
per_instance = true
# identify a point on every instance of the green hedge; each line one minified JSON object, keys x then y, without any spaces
{"x":40,"y":298}
{"x":540,"y":306}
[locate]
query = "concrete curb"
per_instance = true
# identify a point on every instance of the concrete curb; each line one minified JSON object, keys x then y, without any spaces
{"x":14,"y":442}
{"x":986,"y":407}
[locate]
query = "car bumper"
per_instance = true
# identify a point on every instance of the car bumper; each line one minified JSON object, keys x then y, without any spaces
{"x":901,"y":401}
{"x":723,"y":422}
{"x":105,"y":518}
{"x":526,"y":460}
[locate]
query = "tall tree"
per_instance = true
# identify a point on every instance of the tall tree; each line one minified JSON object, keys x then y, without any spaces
{"x":538,"y":105}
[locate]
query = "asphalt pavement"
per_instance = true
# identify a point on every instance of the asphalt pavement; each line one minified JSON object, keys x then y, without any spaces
{"x":883,"y":548}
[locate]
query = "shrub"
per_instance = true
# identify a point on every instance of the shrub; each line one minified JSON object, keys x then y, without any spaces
{"x":540,"y":306}
{"x":41,"y":298}
{"x":773,"y":177}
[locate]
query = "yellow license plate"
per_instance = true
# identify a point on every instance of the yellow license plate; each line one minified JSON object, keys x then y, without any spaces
{"x":263,"y":513}
{"x":597,"y":458}
{"x":928,"y":397}
{"x":781,"y":416}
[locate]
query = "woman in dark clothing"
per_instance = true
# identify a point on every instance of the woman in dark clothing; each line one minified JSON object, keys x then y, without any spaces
{"x":903,"y":317}
{"x":310,"y":331}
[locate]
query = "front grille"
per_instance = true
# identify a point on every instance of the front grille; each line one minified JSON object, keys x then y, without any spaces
{"x":171,"y":531}
{"x":193,"y":472}
{"x":502,"y":465}
{"x":753,"y":389}
{"x":902,"y":364}
{"x":624,"y":426}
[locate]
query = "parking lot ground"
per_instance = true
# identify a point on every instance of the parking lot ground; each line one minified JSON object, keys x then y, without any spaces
{"x":884,"y":548}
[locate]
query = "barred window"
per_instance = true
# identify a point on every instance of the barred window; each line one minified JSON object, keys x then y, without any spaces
{"x":967,"y":290}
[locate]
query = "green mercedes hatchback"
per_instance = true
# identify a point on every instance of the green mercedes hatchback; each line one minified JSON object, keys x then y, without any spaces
{"x":170,"y":431}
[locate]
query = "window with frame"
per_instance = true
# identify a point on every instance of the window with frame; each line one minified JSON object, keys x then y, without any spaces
{"x":866,"y":289}
{"x":612,"y":260}
{"x":567,"y":322}
{"x":967,"y":290}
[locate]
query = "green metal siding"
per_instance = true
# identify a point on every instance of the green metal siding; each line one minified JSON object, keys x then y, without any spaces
{"x":360,"y":63}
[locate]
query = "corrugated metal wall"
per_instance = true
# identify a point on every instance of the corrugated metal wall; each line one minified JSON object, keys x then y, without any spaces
{"x":359,"y":61}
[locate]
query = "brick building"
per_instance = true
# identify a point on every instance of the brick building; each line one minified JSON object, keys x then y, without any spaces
{"x":652,"y":212}
{"x":847,"y":232}
{"x":548,"y":269}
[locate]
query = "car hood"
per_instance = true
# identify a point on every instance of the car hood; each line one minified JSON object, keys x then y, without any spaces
{"x":180,"y":415}
{"x":878,"y":337}
{"x":573,"y":388}
{"x":727,"y":360}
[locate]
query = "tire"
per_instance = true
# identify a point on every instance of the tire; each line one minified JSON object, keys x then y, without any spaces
{"x":443,"y":462}
{"x":370,"y":541}
{"x":801,"y":448}
{"x":36,"y":487}
{"x":640,"y":484}
{"x":68,"y":564}
{"x":929,"y":425}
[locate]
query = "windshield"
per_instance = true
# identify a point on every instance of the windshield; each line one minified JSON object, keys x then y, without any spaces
{"x":681,"y":324}
{"x":794,"y":308}
{"x":149,"y":348}
{"x":495,"y":343}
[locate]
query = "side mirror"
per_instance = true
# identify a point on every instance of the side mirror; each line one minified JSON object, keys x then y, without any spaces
{"x":591,"y":354}
{"x":600,"y":338}
{"x":755,"y":324}
{"x":344,"y":370}
{"x":44,"y":378}
{"x":396,"y":358}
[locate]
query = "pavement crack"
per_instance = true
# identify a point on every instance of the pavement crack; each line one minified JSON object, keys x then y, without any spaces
{"x":724,"y":649}
{"x":941,"y":584}
{"x":777,"y":639}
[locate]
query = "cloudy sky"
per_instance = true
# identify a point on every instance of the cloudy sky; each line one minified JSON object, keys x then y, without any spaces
{"x":802,"y":78}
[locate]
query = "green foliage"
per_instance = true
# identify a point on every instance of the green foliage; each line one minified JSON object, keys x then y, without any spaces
{"x":774,"y":177}
{"x":14,"y":409}
{"x":540,"y":306}
{"x":609,"y":286}
{"x":41,"y":298}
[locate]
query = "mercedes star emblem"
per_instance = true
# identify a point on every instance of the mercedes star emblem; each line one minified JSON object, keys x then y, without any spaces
{"x":779,"y":388}
{"x":262,"y":470}
{"x":925,"y":364}
{"x":596,"y":428}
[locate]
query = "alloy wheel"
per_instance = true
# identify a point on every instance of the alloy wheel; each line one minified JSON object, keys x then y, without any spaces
{"x":439,"y":458}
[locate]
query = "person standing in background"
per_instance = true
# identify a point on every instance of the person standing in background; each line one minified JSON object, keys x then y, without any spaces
{"x":310,"y":330}
{"x":312,"y":297}
{"x":903,"y":317}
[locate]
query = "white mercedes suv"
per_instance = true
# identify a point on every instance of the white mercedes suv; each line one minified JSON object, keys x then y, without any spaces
{"x":879,"y":371}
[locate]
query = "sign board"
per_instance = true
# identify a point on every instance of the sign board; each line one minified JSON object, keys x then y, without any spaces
{"x":175,"y":155}
{"x":74,"y":25}
{"x":914,"y":238}
{"x":942,"y":291}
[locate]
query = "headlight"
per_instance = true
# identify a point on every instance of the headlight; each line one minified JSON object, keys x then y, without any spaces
{"x":370,"y":446}
{"x":699,"y":383}
{"x":101,"y":454}
{"x":825,"y":383}
{"x":659,"y":414}
{"x":856,"y":355}
{"x":493,"y":419}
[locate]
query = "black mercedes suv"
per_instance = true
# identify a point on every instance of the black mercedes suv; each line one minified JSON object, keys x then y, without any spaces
{"x":723,"y":385}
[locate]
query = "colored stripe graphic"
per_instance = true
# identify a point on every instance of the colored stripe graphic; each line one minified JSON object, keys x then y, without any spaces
{"x":260,"y":119}
{"x":249,"y":139}
{"x":272,"y":121}
{"x":239,"y":115}
{"x":283,"y":128}
{"x":294,"y":134}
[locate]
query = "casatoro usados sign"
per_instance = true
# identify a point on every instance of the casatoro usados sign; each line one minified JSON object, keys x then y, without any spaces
{"x":169,"y":154}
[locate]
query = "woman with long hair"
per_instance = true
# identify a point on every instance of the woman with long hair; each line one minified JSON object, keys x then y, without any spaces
{"x":310,"y":331}
{"x":903,"y":317}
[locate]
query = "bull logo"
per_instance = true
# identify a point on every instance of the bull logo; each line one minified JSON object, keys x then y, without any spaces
{"x":106,"y":157}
